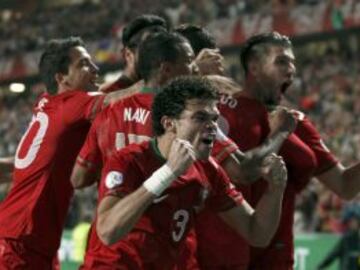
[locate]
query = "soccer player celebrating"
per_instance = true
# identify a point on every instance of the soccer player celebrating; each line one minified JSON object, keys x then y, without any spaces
{"x":161,"y":56}
{"x":269,"y":65}
{"x":149,"y":193}
{"x":132,"y":36}
{"x":33,"y":213}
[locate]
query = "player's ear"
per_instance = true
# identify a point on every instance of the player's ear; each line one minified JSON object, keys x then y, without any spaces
{"x":127,"y":55}
{"x":168,"y":124}
{"x":253,"y":66}
{"x":60,"y":78}
{"x":166,"y":69}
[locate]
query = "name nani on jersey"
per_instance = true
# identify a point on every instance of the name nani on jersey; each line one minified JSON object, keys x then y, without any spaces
{"x":139,"y":115}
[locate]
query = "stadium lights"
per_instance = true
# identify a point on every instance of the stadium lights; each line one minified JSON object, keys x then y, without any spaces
{"x":17,"y":87}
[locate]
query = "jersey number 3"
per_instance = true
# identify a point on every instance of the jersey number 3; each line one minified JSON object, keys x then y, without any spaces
{"x":181,"y":217}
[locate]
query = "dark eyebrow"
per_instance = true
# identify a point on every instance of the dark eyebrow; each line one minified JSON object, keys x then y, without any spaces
{"x":206,"y":114}
{"x":286,"y":57}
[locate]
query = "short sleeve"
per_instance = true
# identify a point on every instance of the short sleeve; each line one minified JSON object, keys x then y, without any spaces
{"x":223,"y":195}
{"x":90,"y":154}
{"x":307,"y":132}
{"x":82,"y":105}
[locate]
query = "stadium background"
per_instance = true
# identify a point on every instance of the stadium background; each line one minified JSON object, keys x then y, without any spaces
{"x":326,"y":35}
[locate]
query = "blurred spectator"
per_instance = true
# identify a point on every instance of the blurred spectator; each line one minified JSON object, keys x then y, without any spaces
{"x":347,"y":250}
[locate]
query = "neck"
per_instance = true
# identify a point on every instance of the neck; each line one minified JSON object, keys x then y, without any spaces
{"x":129,"y":75}
{"x":253,"y":89}
{"x":153,"y":83}
{"x":126,"y":80}
{"x":62,"y":89}
{"x":164,"y":143}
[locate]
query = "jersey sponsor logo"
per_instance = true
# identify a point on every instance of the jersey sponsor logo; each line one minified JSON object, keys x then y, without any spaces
{"x":138,"y":115}
{"x":113,"y":179}
{"x":160,"y":199}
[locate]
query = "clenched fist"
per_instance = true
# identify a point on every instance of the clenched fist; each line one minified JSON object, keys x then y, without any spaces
{"x":282,"y":120}
{"x":181,"y":156}
{"x":274,"y":171}
{"x":209,"y":61}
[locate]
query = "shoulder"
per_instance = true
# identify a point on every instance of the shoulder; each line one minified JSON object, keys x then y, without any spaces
{"x":133,"y":152}
{"x":211,"y":167}
{"x":79,"y":95}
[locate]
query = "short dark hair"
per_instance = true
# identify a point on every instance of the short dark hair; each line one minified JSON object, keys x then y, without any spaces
{"x":199,"y":37}
{"x":156,"y":49}
{"x":134,"y":30}
{"x":171,"y":100}
{"x":259,"y":44}
{"x":56,"y":59}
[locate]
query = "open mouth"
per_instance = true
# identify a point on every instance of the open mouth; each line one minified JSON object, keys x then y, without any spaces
{"x":209,"y":140}
{"x":284,"y":87}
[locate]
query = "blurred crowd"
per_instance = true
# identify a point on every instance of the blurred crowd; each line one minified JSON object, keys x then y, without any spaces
{"x":27,"y":31}
{"x":328,"y":90}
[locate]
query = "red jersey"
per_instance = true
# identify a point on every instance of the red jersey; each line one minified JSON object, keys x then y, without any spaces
{"x":35,"y":209}
{"x":125,"y":122}
{"x":246,"y":122}
{"x":157,"y":239}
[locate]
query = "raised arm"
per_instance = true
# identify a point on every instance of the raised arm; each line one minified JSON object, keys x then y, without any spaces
{"x":115,"y":96}
{"x":259,"y":225}
{"x":118,"y":214}
{"x":345,"y":182}
{"x":83,"y":176}
{"x":245,"y":168}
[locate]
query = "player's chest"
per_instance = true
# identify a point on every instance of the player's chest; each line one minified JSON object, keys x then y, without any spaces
{"x":300,"y":160}
{"x":248,"y":128}
{"x":188,"y":192}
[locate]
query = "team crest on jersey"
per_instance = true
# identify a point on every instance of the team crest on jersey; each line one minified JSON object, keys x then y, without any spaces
{"x":113,"y":179}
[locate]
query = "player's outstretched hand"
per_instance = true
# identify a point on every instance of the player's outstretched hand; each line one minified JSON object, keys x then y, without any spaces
{"x":210,"y":61}
{"x":274,"y":171}
{"x":181,"y":156}
{"x":282,"y":120}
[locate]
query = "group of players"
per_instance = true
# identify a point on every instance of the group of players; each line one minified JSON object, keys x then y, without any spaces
{"x":175,"y":190}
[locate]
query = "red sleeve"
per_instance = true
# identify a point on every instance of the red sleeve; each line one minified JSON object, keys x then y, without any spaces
{"x":90,"y":154}
{"x":223,"y":194}
{"x":119,"y":176}
{"x":82,"y":105}
{"x":223,"y":147}
{"x":307,"y":132}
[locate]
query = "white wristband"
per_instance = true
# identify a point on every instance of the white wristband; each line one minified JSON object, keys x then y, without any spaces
{"x":160,"y":180}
